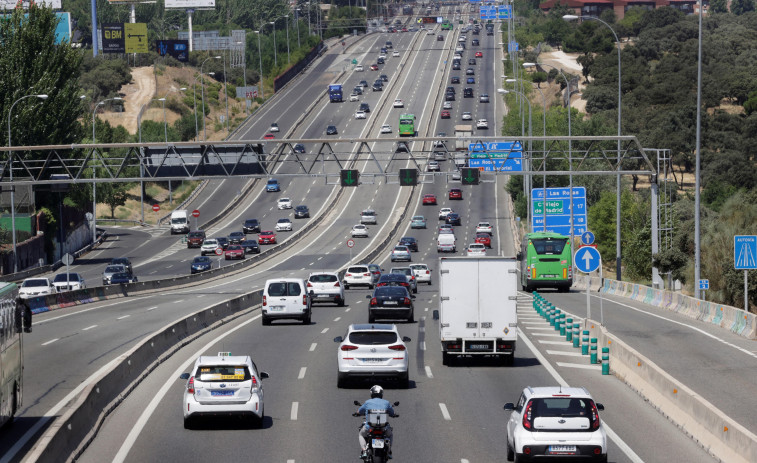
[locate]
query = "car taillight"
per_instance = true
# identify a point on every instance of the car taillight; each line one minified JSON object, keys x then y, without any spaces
{"x":264,"y":301}
{"x":191,"y":385}
{"x":336,"y":285}
{"x":527,"y":418}
{"x":346,"y":348}
{"x":381,"y":284}
{"x":366,"y":274}
{"x":428,"y":272}
{"x":373,"y":301}
{"x":348,"y":275}
{"x":404,"y":283}
{"x":310,"y":285}
{"x":406,"y":301}
{"x":254,"y":382}
{"x":594,"y":417}
{"x":397,"y":347}
{"x":304,"y":299}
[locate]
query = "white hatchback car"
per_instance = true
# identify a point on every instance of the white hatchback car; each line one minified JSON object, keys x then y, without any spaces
{"x":395,"y":53}
{"x":358,"y":275}
{"x":359,"y":68}
{"x":209,"y":246}
{"x":433,"y":166}
{"x":386,"y":128}
{"x":360,"y":115}
{"x":482,"y":124}
{"x":284,"y":203}
{"x":223,"y":385}
{"x":484,"y":227}
{"x":354,"y":97}
{"x":422,"y":273}
{"x":372,"y":351}
{"x":467,"y":116}
{"x":556,"y":422}
{"x":447,"y":105}
{"x":283,"y":224}
{"x":359,"y":231}
{"x":443,"y":212}
{"x":476,"y":250}
{"x":325,"y":287}
{"x":398,"y":103}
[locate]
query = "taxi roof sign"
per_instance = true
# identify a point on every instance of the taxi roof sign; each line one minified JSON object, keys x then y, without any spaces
{"x":224,"y":354}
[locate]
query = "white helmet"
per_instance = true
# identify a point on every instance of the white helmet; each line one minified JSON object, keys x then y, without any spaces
{"x":377,"y":391}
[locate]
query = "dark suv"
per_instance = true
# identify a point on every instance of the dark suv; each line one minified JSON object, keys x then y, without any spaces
{"x":468,"y":92}
{"x":410,"y":242}
{"x":251,"y":226}
{"x":365,"y":107}
{"x":122,"y":261}
{"x":195,"y":239}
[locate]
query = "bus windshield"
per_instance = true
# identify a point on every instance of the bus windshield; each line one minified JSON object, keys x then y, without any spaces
{"x":549,"y":246}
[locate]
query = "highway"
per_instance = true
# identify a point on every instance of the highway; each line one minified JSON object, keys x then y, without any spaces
{"x":448,"y":413}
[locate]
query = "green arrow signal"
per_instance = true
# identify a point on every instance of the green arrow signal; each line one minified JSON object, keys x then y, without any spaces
{"x":470,"y":178}
{"x":408,"y":178}
{"x":349,"y":180}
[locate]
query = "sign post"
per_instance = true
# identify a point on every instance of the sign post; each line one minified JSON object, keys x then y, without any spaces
{"x":350,"y":244}
{"x":196,"y":214}
{"x":67,"y":259}
{"x":704,"y":285}
{"x":745,"y":258}
{"x":587,"y":260}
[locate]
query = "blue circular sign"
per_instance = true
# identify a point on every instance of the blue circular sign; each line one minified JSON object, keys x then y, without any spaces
{"x":587,"y":259}
{"x":587,"y":238}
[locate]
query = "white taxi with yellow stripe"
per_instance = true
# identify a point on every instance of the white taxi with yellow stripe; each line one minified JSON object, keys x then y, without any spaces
{"x":223,"y":385}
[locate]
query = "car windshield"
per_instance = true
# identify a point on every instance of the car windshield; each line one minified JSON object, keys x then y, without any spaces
{"x":225,"y":373}
{"x":62,"y":277}
{"x":403,"y":271}
{"x":418,"y":217}
{"x":283,"y":288}
{"x":114,"y":268}
{"x":34,"y":283}
{"x":272,"y":182}
{"x":323,"y":278}
{"x":121,"y":275}
{"x":561,"y":407}
{"x":201,"y":260}
{"x":210,"y":242}
{"x":372,"y":338}
{"x":235,"y":247}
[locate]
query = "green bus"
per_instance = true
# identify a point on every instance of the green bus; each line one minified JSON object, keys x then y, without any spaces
{"x":546,"y":262}
{"x":407,"y":125}
{"x":446,"y":25}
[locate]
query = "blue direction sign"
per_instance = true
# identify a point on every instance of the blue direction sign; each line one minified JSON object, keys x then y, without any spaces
{"x":496,"y":156}
{"x":512,"y":47}
{"x":504,"y":12}
{"x":745,"y":252}
{"x":587,"y":259}
{"x":558,"y":210}
{"x":587,"y":238}
{"x":704,"y":284}
{"x":488,"y":12}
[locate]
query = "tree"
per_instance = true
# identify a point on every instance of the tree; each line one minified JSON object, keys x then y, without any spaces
{"x":719,"y":6}
{"x":538,"y":78}
{"x":112,"y":194}
{"x":739,"y":7}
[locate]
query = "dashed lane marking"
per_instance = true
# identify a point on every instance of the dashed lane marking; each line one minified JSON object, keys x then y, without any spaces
{"x":50,"y":341}
{"x":302,"y":372}
{"x":445,"y":412}
{"x":428,"y":372}
{"x":312,"y":346}
{"x":579,"y":365}
{"x":89,"y":327}
{"x":565,"y":352}
{"x":293,"y":414}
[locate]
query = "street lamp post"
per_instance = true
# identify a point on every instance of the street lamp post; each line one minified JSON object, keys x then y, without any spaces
{"x":287,"y":23}
{"x":260,"y":63}
{"x":244,"y":72}
{"x":94,"y":170}
{"x":297,"y":22}
{"x":275,"y":59}
{"x":530,"y":152}
{"x":202,"y":93}
{"x":226,"y":92}
{"x":570,"y":17}
{"x":41,"y":96}
{"x":194,"y":105}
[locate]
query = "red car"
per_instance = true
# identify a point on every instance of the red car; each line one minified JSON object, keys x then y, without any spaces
{"x":484,"y":239}
{"x":445,"y":114}
{"x":374,"y":67}
{"x":404,"y":29}
{"x":267,"y":237}
{"x":234,"y":251}
{"x":479,"y":54}
{"x":456,"y":193}
{"x":429,"y":200}
{"x":269,"y":136}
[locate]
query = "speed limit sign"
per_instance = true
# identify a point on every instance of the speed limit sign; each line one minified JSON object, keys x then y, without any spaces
{"x":219,"y":251}
{"x":350,"y":243}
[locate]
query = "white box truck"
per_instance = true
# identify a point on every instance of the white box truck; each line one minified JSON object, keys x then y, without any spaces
{"x":179,"y":221}
{"x":477,"y":307}
{"x":464,"y":134}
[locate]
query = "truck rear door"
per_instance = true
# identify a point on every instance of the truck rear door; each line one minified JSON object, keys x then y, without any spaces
{"x":497,"y":293}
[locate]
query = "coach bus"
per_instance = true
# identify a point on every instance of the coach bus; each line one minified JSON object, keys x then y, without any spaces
{"x":407,"y":125}
{"x":546,"y":262}
{"x":446,"y":25}
{"x":13,"y":316}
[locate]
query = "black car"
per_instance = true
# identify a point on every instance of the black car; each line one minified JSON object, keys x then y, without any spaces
{"x":250,"y":247}
{"x":454,"y":80}
{"x":410,"y":242}
{"x":236,"y":237}
{"x":440,"y":38}
{"x":472,"y":61}
{"x":470,"y":72}
{"x":251,"y":226}
{"x":122,"y":261}
{"x":390,"y":302}
{"x":453,"y":218}
{"x":455,"y":66}
{"x":365,"y":107}
{"x":380,"y":60}
{"x":223,"y":242}
{"x":384,"y":78}
{"x":377,"y":88}
{"x":357,"y":90}
{"x":301,"y":212}
{"x":450,"y":90}
{"x":476,"y":32}
{"x":363,"y":83}
{"x":123,"y":277}
{"x":475,"y":41}
{"x":331,"y":130}
{"x":393,"y":279}
{"x":402,"y":147}
{"x":468,"y":92}
{"x":201,"y":264}
{"x":449,"y":96}
{"x":299,"y":148}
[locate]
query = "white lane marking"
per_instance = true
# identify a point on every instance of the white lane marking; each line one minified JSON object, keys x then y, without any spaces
{"x":311,"y":263}
{"x":202,"y":295}
{"x":347,"y":309}
{"x":312,"y":346}
{"x":551,"y":370}
{"x":152,"y":308}
{"x":154,"y":271}
{"x":542,"y":328}
{"x":290,"y":461}
{"x":423,"y":345}
{"x":50,"y":341}
{"x":123,"y":301}
{"x":550,"y":335}
{"x":179,"y":301}
{"x":579,"y":365}
{"x":565,"y":352}
{"x":302,"y":372}
{"x":89,"y":327}
{"x":324,"y":330}
{"x":320,"y":258}
{"x":426,"y":309}
{"x":157,"y":398}
{"x":558,"y":343}
{"x":169,"y":266}
{"x":428,"y":372}
{"x":463,"y":460}
{"x":337,"y":319}
{"x":445,"y":413}
{"x":295,"y":407}
{"x":121,"y":318}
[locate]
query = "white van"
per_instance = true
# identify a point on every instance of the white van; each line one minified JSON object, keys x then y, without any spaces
{"x":179,"y":221}
{"x":445,"y":242}
{"x":286,"y":298}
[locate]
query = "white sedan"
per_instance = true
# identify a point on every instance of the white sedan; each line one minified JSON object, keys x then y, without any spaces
{"x":359,"y":231}
{"x":359,"y":68}
{"x":284,"y":203}
{"x":354,"y":97}
{"x":484,"y":227}
{"x":467,"y":116}
{"x":274,"y":127}
{"x":372,"y":350}
{"x":482,"y":124}
{"x":360,"y":115}
{"x":447,"y":105}
{"x":284,"y":225}
{"x":476,"y":250}
{"x":395,"y":53}
{"x":443,"y":212}
{"x":223,"y":384}
{"x":386,"y":128}
{"x":398,"y":103}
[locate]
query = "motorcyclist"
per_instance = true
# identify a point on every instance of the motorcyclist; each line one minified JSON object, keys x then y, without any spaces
{"x":376,"y":402}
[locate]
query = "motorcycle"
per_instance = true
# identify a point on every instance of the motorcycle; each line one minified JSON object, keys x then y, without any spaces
{"x":378,"y":444}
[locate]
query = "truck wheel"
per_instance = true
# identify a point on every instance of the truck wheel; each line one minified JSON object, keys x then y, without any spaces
{"x":510,"y":453}
{"x":508,"y":360}
{"x":446,"y":358}
{"x":371,"y":319}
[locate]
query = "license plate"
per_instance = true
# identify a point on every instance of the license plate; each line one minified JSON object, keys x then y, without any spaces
{"x":377,"y":443}
{"x":478,"y":347}
{"x":562,"y":449}
{"x":221,"y":393}
{"x":372,"y":360}
{"x":277,"y":307}
{"x":390,"y":302}
{"x":549,"y":276}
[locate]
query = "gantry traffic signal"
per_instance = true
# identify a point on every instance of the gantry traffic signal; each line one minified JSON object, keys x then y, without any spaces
{"x":469,"y":176}
{"x":408,"y":177}
{"x":349,"y":177}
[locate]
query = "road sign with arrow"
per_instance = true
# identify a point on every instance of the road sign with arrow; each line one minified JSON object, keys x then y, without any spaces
{"x":469,"y":176}
{"x":408,"y":177}
{"x":349,"y":177}
{"x":587,"y":259}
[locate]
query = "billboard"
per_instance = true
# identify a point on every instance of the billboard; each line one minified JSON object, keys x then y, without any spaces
{"x":113,"y":38}
{"x":179,"y":49}
{"x":247,"y":93}
{"x":185,"y":4}
{"x":135,"y":37}
{"x":10,"y":4}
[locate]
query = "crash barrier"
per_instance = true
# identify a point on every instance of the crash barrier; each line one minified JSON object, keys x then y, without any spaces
{"x":715,"y":432}
{"x":76,"y":427}
{"x":296,"y":68}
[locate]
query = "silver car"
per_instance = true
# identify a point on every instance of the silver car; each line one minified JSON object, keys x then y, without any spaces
{"x":68,"y":282}
{"x":111,"y":270}
{"x":401,"y":253}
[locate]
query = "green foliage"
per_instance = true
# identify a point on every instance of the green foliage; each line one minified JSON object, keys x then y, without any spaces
{"x":740,"y":7}
{"x":538,"y":78}
{"x":750,"y":105}
{"x":113,"y":194}
{"x":719,"y":6}
{"x":103,"y":78}
{"x":602,"y":214}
